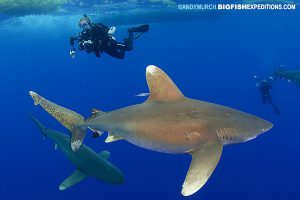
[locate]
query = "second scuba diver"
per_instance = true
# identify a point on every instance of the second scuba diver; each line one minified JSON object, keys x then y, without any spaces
{"x":98,"y":38}
{"x":265,"y":87}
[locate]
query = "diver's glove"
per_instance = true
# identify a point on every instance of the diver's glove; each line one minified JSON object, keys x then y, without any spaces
{"x":72,"y":53}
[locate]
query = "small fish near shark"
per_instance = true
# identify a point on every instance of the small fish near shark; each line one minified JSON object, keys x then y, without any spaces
{"x":87,"y":162}
{"x":167,"y":122}
{"x":144,"y":94}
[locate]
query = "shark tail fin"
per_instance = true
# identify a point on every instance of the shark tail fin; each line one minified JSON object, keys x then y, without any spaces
{"x":68,"y":118}
{"x":38,"y":124}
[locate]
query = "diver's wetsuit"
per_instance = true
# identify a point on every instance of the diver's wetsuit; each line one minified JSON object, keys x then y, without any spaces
{"x":97,"y":40}
{"x":265,"y":87}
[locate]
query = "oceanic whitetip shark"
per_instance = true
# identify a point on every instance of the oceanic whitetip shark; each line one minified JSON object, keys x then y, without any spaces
{"x":292,"y":76}
{"x":87,"y":162}
{"x":167,"y":122}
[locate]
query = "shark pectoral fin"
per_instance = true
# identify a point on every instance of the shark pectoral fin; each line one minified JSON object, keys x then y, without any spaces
{"x":204,"y":161}
{"x":112,"y":137}
{"x":104,"y":154}
{"x":161,"y":87}
{"x":75,"y":178}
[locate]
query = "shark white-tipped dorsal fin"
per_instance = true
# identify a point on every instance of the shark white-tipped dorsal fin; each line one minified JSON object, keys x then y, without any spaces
{"x":204,"y":161}
{"x":161,"y":87}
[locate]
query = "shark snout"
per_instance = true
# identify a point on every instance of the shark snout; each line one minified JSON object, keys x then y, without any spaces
{"x":265,"y":126}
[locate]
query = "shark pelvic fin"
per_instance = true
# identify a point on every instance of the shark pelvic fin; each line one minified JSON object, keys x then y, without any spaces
{"x":68,"y":118}
{"x":104,"y":154}
{"x":161,"y":87}
{"x":112,"y":137}
{"x":75,"y":178}
{"x":204,"y":161}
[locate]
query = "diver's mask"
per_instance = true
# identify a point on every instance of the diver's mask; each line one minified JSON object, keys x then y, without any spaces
{"x":85,"y":23}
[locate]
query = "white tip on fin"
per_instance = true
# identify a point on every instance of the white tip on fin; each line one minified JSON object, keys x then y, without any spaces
{"x":112,"y":137}
{"x":161,"y":87}
{"x":204,"y":161}
{"x":73,"y":179}
{"x":36,"y":97}
{"x":75,"y":145}
{"x":151,"y":69}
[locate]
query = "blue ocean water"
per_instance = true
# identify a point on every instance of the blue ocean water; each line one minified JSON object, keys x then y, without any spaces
{"x":212,"y":60}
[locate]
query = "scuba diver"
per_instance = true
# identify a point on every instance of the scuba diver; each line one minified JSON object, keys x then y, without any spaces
{"x":98,"y":38}
{"x":265,"y":87}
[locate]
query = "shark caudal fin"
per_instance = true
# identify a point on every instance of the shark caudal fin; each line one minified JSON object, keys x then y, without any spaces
{"x":39,"y":125}
{"x":68,"y":118}
{"x":204,"y":161}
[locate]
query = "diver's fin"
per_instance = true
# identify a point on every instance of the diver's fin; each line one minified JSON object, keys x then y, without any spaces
{"x":39,"y":125}
{"x":68,"y":118}
{"x":204,"y":161}
{"x":75,"y":178}
{"x":104,"y":154}
{"x":112,"y":137}
{"x":140,"y":29}
{"x":161,"y":87}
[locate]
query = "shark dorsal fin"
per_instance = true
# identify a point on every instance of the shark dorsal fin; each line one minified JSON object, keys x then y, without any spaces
{"x":161,"y":87}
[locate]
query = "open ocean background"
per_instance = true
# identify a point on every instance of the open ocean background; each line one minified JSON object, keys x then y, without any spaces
{"x":212,"y":59}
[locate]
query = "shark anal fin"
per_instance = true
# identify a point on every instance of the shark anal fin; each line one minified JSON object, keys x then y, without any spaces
{"x":104,"y":154}
{"x":161,"y":87}
{"x":73,"y":179}
{"x":204,"y":161}
{"x":112,"y":137}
